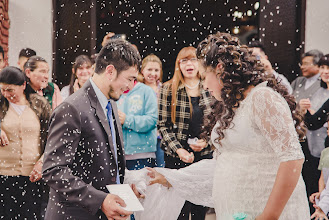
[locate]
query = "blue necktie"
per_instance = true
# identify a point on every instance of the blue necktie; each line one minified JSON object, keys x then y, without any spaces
{"x":111,"y":123}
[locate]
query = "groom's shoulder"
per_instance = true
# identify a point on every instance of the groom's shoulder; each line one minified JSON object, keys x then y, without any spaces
{"x":79,"y":97}
{"x":77,"y":102}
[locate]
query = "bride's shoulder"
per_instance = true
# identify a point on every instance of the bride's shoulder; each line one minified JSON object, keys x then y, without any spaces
{"x":262,"y":90}
{"x":264,"y":95}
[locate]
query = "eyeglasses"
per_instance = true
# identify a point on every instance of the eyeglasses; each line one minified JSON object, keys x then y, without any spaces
{"x":184,"y":61}
{"x":306,"y":64}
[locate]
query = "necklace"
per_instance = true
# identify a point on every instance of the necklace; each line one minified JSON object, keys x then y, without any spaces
{"x":192,"y":87}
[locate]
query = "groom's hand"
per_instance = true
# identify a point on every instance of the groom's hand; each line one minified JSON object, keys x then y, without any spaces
{"x":112,"y":210}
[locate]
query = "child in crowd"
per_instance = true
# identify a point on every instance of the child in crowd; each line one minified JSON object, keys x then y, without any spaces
{"x":138,"y":115}
{"x":2,"y":58}
{"x":37,"y":71}
{"x":24,"y":55}
{"x":321,"y":199}
{"x":151,"y":75}
{"x":81,"y":72}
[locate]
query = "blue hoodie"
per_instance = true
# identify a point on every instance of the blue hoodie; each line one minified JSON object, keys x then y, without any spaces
{"x":139,"y":129}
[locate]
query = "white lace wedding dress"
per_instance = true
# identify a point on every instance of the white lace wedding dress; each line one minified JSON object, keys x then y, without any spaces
{"x":239,"y":180}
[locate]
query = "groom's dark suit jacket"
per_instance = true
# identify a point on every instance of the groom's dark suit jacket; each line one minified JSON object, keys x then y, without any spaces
{"x":79,"y":160}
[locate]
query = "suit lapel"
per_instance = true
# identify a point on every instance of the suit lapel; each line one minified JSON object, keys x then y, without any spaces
{"x":102,"y":118}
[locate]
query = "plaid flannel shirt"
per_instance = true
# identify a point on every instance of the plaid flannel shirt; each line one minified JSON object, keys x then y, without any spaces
{"x":174,"y":136}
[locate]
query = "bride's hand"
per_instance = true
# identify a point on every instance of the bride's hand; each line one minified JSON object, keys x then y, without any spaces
{"x":138,"y":194}
{"x":157,"y":178}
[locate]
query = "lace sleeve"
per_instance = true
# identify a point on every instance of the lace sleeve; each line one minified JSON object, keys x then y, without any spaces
{"x":193,"y":183}
{"x":272,"y":116}
{"x":160,"y":203}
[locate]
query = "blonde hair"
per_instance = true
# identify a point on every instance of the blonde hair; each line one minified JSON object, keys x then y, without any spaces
{"x":146,"y":60}
{"x":178,"y":78}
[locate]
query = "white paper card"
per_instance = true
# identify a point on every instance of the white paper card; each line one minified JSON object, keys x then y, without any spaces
{"x":125,"y":192}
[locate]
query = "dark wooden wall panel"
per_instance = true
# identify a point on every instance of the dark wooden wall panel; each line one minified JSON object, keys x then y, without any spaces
{"x":4,"y":27}
{"x":160,"y":28}
{"x":281,"y":28}
{"x":72,"y":35}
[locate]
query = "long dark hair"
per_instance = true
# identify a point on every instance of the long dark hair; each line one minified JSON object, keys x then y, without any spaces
{"x":240,"y":71}
{"x":13,"y":76}
{"x":79,"y":61}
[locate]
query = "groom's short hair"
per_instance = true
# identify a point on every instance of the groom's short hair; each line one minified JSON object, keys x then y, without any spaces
{"x":119,"y":53}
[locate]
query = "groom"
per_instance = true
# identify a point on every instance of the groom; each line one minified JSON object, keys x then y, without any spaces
{"x":84,"y":150}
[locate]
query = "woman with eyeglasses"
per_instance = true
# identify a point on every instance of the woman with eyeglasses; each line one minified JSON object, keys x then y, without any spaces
{"x":183,"y":103}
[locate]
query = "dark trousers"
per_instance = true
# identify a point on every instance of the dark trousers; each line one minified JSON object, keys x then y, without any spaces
{"x":19,"y":198}
{"x":198,"y":212}
{"x":310,"y":173}
{"x":140,"y":163}
{"x":159,"y":155}
{"x":44,"y":198}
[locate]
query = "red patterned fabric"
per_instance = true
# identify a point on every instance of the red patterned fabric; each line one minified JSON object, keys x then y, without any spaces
{"x":4,"y":27}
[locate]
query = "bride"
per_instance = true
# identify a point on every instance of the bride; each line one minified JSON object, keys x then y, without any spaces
{"x":255,"y":128}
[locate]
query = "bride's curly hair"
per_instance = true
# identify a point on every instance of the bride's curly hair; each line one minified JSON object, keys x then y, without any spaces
{"x":240,"y":71}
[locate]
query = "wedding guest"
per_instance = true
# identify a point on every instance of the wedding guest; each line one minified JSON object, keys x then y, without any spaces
{"x":138,"y":115}
{"x":81,"y":72}
{"x":151,"y":75}
{"x":258,"y":51}
{"x":183,"y":103}
{"x":24,"y":119}
{"x":37,"y":71}
{"x":24,"y":55}
{"x":2,"y":58}
{"x":315,"y":138}
{"x":255,"y":128}
{"x":304,"y":87}
{"x":324,"y":168}
{"x":322,"y":207}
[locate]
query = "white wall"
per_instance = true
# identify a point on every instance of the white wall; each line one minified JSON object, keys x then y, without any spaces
{"x":30,"y":26}
{"x":317,"y":25}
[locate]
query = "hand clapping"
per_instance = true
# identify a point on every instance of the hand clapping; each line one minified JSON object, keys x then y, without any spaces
{"x":304,"y":105}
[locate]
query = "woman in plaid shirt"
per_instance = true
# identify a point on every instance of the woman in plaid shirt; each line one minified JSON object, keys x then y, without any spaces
{"x":180,"y":119}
